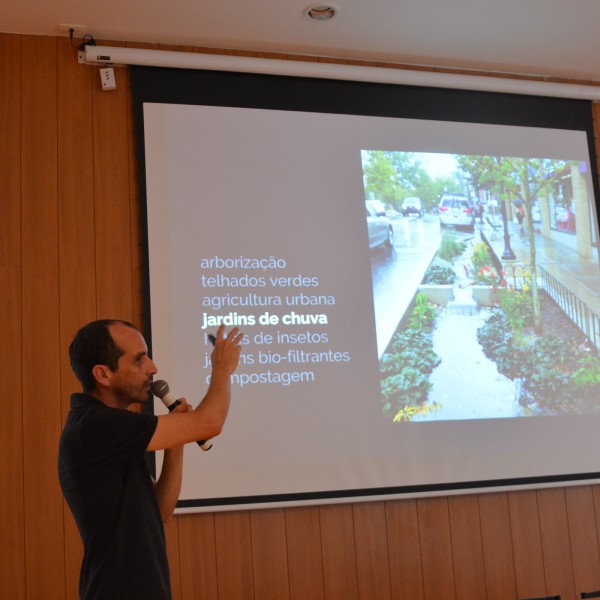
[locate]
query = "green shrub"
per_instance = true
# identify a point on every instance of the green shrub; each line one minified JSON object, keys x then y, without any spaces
{"x":499,"y":345}
{"x":484,"y":271}
{"x":410,"y":348}
{"x":558,"y":376}
{"x":480,"y":256}
{"x":450,"y":247}
{"x":438,"y":275}
{"x":588,"y":373}
{"x":550,"y":382}
{"x":517,"y":308}
{"x":424,"y":313}
{"x":405,"y":369}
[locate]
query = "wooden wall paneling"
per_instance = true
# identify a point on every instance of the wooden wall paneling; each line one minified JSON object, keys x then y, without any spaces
{"x":527,"y":543}
{"x":404,"y":546}
{"x":497,"y":546}
{"x":581,"y":520}
{"x":304,"y":556}
{"x":436,"y":549}
{"x":77,"y":259}
{"x":197,"y":557}
{"x":175,"y":48}
{"x":172,"y":540}
{"x":203,"y":50}
{"x":112,"y":199}
{"x":467,"y":547}
{"x":12,"y":526}
{"x":42,"y":421}
{"x":554,"y":528}
{"x":339,"y":554}
{"x":43,"y":303}
{"x":269,"y":554}
{"x":372,"y":553}
{"x":234,"y":556}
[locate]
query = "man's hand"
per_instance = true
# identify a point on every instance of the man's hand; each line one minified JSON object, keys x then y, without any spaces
{"x":226,"y":354}
{"x":182,"y":407}
{"x":208,"y":418}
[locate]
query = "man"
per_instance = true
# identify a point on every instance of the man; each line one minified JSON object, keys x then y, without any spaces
{"x":118,"y":508}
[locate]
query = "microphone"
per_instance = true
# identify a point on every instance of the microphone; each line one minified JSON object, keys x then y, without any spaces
{"x":160,"y":389}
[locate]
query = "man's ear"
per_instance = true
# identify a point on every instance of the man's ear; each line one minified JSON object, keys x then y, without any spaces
{"x":101,"y":374}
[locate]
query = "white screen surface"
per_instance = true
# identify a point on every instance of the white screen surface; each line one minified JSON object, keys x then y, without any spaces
{"x":258,"y":216}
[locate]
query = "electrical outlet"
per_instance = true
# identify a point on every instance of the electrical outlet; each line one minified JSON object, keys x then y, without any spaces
{"x":65,"y":29}
{"x":107,"y":78}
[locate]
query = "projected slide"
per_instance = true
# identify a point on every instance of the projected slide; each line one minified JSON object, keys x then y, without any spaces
{"x":461,"y":333}
{"x":389,"y":343}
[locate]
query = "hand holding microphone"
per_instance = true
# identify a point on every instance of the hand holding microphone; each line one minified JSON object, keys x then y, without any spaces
{"x":225,"y":358}
{"x":160,"y":389}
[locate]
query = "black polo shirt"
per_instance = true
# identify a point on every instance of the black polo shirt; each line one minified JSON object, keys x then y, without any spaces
{"x":105,"y":480}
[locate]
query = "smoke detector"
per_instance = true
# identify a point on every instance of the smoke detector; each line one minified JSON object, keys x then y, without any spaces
{"x":320,"y":12}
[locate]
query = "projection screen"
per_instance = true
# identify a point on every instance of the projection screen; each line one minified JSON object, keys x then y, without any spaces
{"x":344,"y":228}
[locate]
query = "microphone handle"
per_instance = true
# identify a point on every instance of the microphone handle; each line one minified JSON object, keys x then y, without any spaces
{"x":204,"y":444}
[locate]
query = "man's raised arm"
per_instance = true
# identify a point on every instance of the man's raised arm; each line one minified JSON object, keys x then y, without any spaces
{"x":207,"y":419}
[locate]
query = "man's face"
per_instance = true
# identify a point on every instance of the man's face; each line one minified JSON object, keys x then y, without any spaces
{"x":132,"y":380}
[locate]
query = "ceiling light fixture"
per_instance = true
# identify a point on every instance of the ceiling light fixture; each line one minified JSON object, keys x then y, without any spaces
{"x":320,"y":12}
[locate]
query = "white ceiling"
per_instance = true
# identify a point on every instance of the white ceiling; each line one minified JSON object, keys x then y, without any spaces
{"x":552,"y":38}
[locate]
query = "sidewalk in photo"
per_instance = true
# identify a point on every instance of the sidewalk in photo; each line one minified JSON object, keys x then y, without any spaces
{"x":466,"y":384}
{"x":580,"y":276}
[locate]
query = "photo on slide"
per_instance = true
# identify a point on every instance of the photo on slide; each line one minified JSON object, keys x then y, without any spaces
{"x":477,"y":313}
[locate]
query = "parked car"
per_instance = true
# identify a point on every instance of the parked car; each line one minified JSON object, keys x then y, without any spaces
{"x":456,"y":211}
{"x":378,"y":205}
{"x":412,"y":206}
{"x":381,"y":231}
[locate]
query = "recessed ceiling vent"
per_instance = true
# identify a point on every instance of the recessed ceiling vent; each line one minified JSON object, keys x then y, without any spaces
{"x":321,"y":12}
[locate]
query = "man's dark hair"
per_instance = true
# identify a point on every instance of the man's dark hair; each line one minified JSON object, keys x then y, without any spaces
{"x":94,"y":345}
